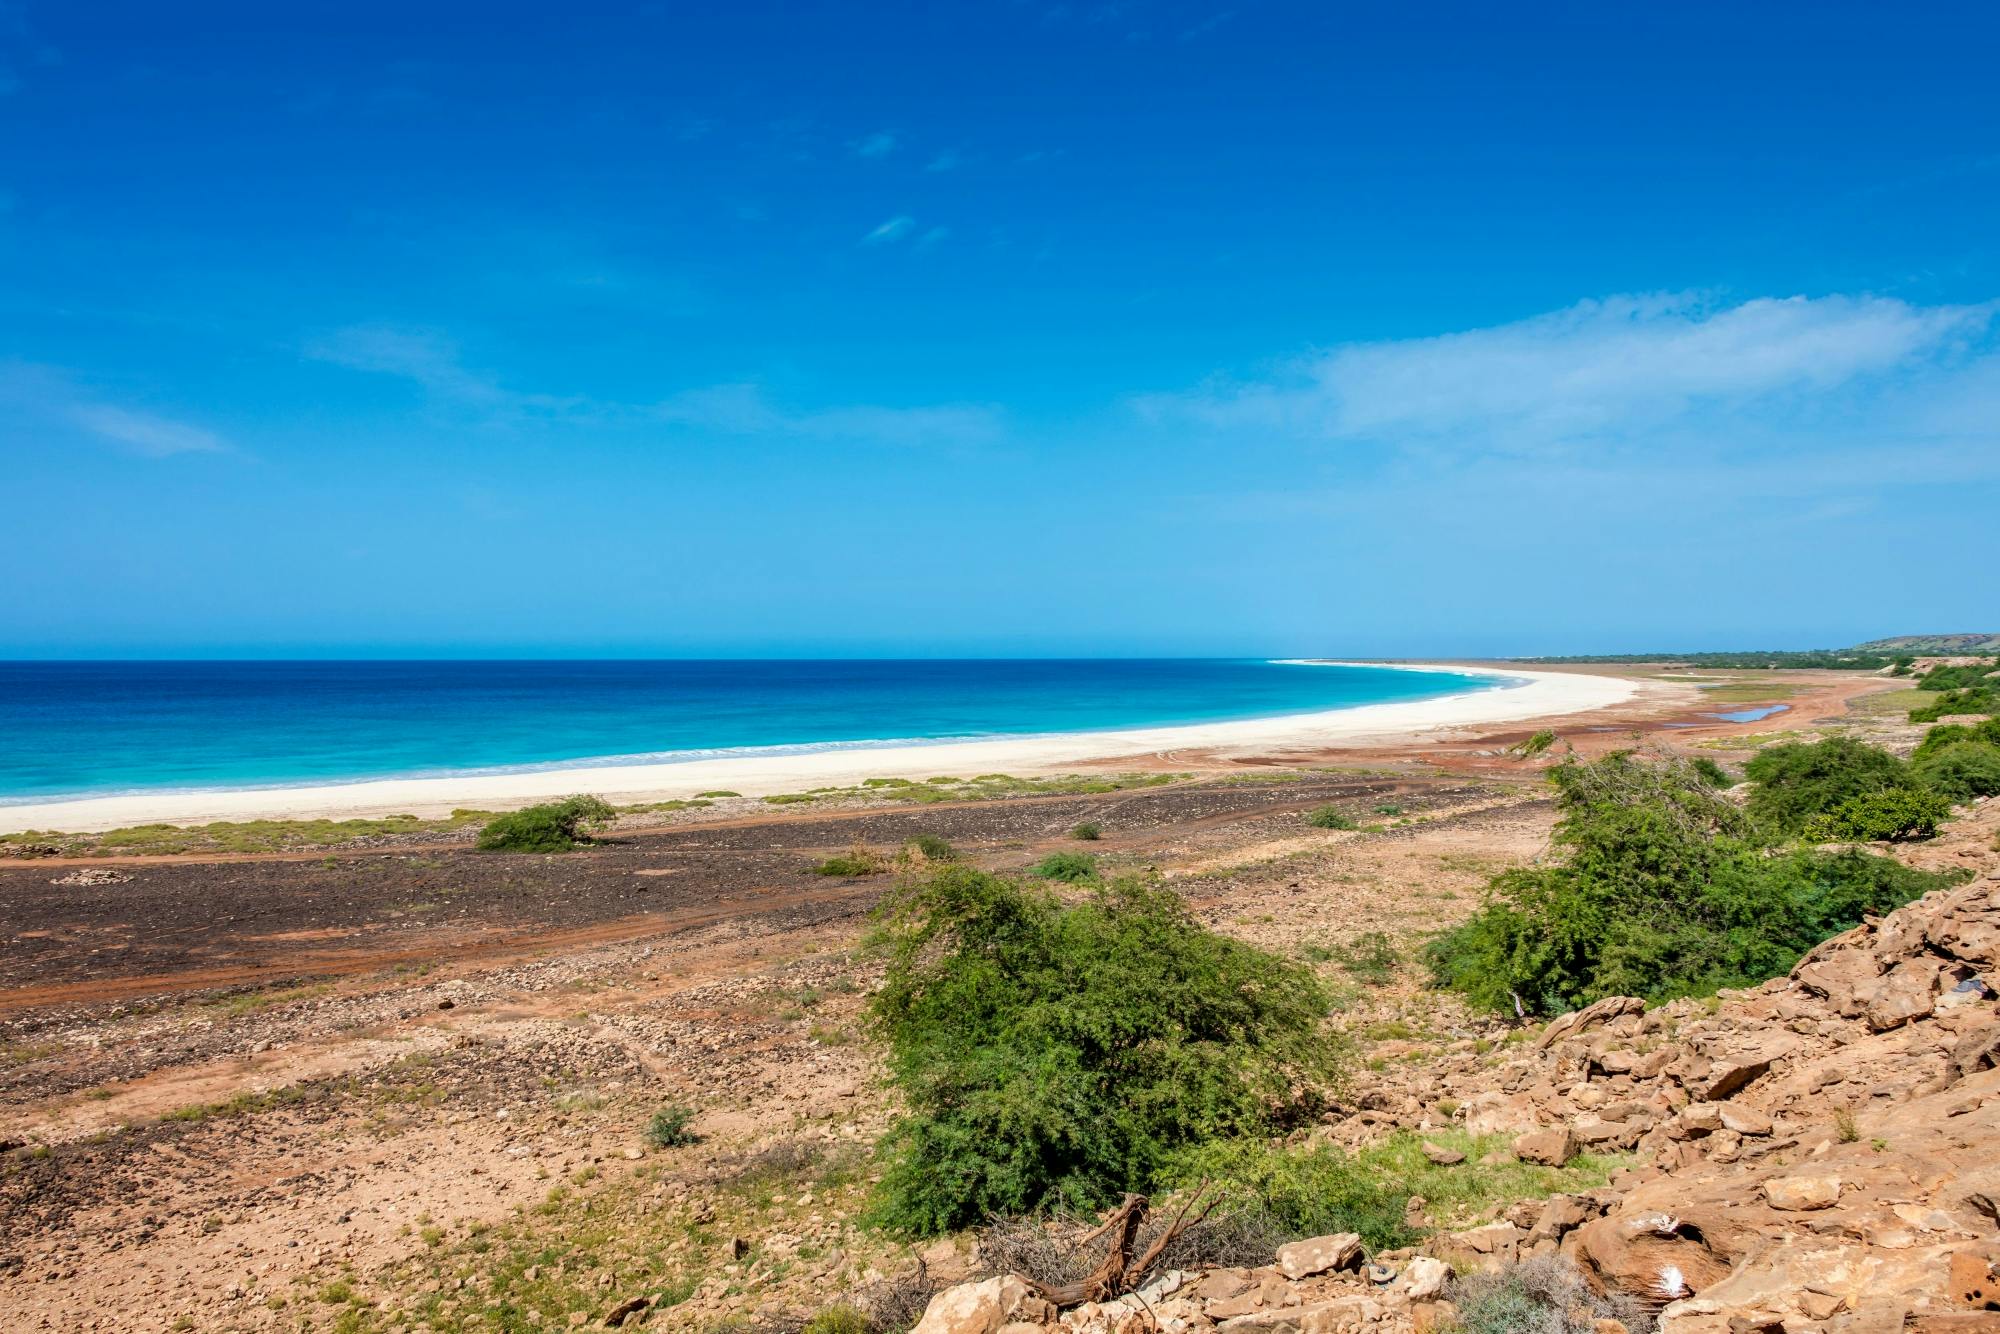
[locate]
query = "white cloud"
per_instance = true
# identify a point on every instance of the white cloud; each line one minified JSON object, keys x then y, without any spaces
{"x":895,"y":229}
{"x":744,"y":409}
{"x":1598,"y":370}
{"x":431,"y":361}
{"x":944,"y":160}
{"x":879,"y":144}
{"x":154,"y":436}
{"x":48,"y":400}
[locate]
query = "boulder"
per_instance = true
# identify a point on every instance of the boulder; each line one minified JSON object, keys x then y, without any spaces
{"x":1423,"y":1279}
{"x":975,"y":1308}
{"x":1318,"y":1255}
{"x":1442,"y":1156}
{"x":1799,"y":1194}
{"x":1590,"y":1017}
{"x":1550,"y":1148}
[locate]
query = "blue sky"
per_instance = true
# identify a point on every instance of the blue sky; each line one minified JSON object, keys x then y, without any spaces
{"x":1003,"y":328}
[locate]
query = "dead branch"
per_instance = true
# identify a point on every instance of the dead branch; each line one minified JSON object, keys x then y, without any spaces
{"x":1117,"y":1273}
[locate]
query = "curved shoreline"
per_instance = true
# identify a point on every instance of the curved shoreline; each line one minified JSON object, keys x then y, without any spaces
{"x":1537,"y":695}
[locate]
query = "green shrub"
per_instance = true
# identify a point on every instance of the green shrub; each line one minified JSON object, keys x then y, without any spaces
{"x":1058,"y":1054}
{"x":931,"y":848}
{"x":1388,"y":808}
{"x":1329,"y":817}
{"x":1316,"y":1191}
{"x":719,"y":792}
{"x":1799,"y":780}
{"x":1072,"y":867}
{"x":1971,"y":677}
{"x":1663,"y":893}
{"x":669,"y":1128}
{"x":1534,"y":745}
{"x":556,"y":827}
{"x":1946,"y":734}
{"x":1962,"y":770}
{"x":1980,"y":699}
{"x":856,"y":861}
{"x":1372,"y":958}
{"x":1087,"y":832}
{"x":1897,"y":815}
{"x":1712,"y":773}
{"x":838,"y":1320}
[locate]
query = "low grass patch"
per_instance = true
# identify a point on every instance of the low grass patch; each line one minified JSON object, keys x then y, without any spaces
{"x":1070,"y":867}
{"x":985,"y":787}
{"x":1312,"y":1192}
{"x":236,"y":836}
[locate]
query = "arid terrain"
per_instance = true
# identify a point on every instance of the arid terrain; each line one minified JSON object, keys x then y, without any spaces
{"x":408,"y":1087}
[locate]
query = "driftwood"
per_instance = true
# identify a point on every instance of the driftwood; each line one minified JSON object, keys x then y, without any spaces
{"x":1118,"y":1273}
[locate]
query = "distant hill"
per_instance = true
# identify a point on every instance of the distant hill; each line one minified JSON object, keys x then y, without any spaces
{"x":1931,"y":644}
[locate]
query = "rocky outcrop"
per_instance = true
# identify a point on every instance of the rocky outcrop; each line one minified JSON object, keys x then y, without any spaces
{"x":1819,"y":1155}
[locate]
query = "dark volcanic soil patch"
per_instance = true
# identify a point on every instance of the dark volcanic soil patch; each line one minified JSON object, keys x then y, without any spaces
{"x":186,"y":925}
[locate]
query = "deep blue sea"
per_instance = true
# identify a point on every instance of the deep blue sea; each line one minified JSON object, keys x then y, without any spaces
{"x":93,"y":728}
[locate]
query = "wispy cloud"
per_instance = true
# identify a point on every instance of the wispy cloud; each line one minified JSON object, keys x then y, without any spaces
{"x":932,"y":237}
{"x":943,"y":160}
{"x":51,"y":401}
{"x":145,"y":432}
{"x":431,"y":361}
{"x":745,"y":410}
{"x":1600,"y":371}
{"x":876,"y":145}
{"x":895,"y":229}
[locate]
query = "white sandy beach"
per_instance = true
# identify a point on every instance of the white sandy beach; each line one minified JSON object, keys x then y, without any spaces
{"x":1534,"y":695}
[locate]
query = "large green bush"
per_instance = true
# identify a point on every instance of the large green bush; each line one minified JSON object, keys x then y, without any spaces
{"x":1964,"y":677}
{"x":1894,"y":815}
{"x":556,"y":827}
{"x":1978,"y":699}
{"x":1946,"y":734}
{"x":1664,"y":890}
{"x":1962,"y":770}
{"x":1056,"y":1053}
{"x":1800,"y":780}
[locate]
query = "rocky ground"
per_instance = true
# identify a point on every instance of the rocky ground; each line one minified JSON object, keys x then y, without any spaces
{"x":416,"y":1088}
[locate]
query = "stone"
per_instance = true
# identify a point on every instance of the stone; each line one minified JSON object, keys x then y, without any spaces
{"x":1318,"y":1255}
{"x":1744,"y":1120}
{"x":1442,"y":1156}
{"x":974,"y":1308}
{"x":1493,"y":1239}
{"x":1423,"y":1279}
{"x":1800,"y":1194}
{"x":1550,"y":1148}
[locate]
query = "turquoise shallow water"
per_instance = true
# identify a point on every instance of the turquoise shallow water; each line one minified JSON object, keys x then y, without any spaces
{"x":92,"y":728}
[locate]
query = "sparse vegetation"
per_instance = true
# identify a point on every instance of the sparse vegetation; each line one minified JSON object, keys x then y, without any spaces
{"x":930,"y":848}
{"x":233,"y":836}
{"x":858,"y":860}
{"x":1087,"y":832}
{"x":1071,"y":867}
{"x":1537,"y":744}
{"x":1667,"y":889}
{"x":669,"y":1128}
{"x":1543,"y":1295}
{"x":1371,"y":958}
{"x":985,"y":787}
{"x":1311,"y":1192}
{"x":1330,"y":817}
{"x":1801,"y":780}
{"x":558,"y":826}
{"x":1060,"y":1053}
{"x":1893,"y":815}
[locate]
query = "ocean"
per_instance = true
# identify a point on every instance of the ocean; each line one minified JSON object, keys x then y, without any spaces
{"x":71,"y":729}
